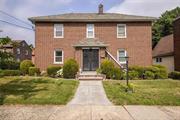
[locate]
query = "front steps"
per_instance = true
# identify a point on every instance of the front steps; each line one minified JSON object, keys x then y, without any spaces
{"x":90,"y":76}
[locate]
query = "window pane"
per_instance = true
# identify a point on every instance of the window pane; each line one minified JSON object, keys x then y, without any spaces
{"x":121,"y":30}
{"x":122,"y":56}
{"x":59,"y":53}
{"x":58,"y":33}
{"x":90,"y":34}
{"x":58,"y":59}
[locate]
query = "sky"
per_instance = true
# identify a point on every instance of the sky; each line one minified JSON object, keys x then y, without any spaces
{"x":23,"y":9}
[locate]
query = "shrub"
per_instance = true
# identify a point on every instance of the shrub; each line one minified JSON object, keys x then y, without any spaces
{"x":107,"y":67}
{"x":10,"y":73}
{"x":52,"y":70}
{"x":162,"y":72}
{"x":175,"y":75}
{"x":133,"y":75}
{"x":25,"y":65}
{"x":149,"y":75}
{"x":70,"y":68}
{"x":34,"y":71}
{"x":138,"y":69}
{"x":117,"y":73}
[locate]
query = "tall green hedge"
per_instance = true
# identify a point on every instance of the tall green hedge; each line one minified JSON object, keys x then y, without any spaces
{"x":25,"y":65}
{"x":70,"y":68}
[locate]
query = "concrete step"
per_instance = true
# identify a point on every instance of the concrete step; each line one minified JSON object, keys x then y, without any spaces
{"x":90,"y":77}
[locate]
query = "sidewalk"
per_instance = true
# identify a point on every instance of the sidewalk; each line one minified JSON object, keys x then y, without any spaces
{"x":79,"y":112}
{"x":90,"y":93}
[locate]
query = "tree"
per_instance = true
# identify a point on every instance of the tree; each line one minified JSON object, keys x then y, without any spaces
{"x":4,"y":41}
{"x":6,"y":58}
{"x":164,"y":25}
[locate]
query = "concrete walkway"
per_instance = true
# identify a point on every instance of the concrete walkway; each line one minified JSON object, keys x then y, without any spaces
{"x":78,"y":112}
{"x":90,"y":93}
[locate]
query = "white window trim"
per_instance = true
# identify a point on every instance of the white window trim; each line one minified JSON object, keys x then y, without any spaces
{"x":118,"y":56}
{"x":124,"y":29}
{"x":55,"y":31}
{"x":55,"y":57}
{"x":87,"y":31}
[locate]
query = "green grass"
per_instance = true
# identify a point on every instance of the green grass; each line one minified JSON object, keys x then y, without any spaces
{"x":36,"y":90}
{"x":147,"y":92}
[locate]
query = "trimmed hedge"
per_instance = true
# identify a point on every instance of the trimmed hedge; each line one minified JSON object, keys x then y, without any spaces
{"x":133,"y":75}
{"x":107,"y":68}
{"x":52,"y":70}
{"x":149,"y":75}
{"x":25,"y":65}
{"x":117,"y":73}
{"x":34,"y":71}
{"x":10,"y":73}
{"x":70,"y":68}
{"x":175,"y":75}
{"x":150,"y":72}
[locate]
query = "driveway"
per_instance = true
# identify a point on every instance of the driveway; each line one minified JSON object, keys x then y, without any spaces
{"x":90,"y":93}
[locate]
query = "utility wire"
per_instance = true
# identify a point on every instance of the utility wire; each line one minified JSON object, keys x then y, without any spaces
{"x":16,"y":25}
{"x":15,"y":18}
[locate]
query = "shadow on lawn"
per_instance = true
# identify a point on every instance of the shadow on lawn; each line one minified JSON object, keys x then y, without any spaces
{"x":18,"y":87}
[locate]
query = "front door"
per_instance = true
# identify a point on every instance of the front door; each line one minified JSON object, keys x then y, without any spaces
{"x":90,"y":59}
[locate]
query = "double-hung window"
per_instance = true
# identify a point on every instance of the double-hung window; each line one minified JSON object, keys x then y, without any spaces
{"x":90,"y":31}
{"x":58,"y":57}
{"x":58,"y":31}
{"x":121,"y":31}
{"x":121,"y":54}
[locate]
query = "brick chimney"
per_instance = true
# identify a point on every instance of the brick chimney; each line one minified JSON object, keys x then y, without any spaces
{"x":100,"y":9}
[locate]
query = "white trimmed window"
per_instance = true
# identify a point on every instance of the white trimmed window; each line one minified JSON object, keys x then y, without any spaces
{"x":18,"y":51}
{"x":158,"y":59}
{"x":121,"y":31}
{"x":90,"y":31}
{"x":58,"y":57}
{"x":58,"y":31}
{"x":121,"y":54}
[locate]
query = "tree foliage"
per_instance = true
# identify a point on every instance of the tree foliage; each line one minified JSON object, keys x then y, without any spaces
{"x":164,"y":25}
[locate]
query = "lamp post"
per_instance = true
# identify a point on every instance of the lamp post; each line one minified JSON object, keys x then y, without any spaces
{"x":127,"y":70}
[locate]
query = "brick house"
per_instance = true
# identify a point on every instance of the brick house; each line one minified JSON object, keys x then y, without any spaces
{"x":177,"y":44}
{"x":20,"y":50}
{"x":91,"y":37}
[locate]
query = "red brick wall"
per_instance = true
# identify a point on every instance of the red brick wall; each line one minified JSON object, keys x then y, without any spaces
{"x":137,"y":43}
{"x":177,"y":45}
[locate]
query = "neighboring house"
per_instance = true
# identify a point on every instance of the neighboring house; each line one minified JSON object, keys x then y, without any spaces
{"x":19,"y":49}
{"x":177,"y":44}
{"x":91,"y":37}
{"x":163,"y":53}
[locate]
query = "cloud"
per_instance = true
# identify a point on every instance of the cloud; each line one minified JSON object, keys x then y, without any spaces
{"x":23,"y":10}
{"x":144,"y":7}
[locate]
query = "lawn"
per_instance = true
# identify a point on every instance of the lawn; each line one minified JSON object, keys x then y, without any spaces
{"x":36,"y":90}
{"x":147,"y":92}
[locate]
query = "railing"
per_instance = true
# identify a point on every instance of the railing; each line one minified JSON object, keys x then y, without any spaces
{"x":112,"y":57}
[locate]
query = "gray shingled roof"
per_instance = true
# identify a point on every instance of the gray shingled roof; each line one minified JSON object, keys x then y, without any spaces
{"x":90,"y":42}
{"x":91,"y":17}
